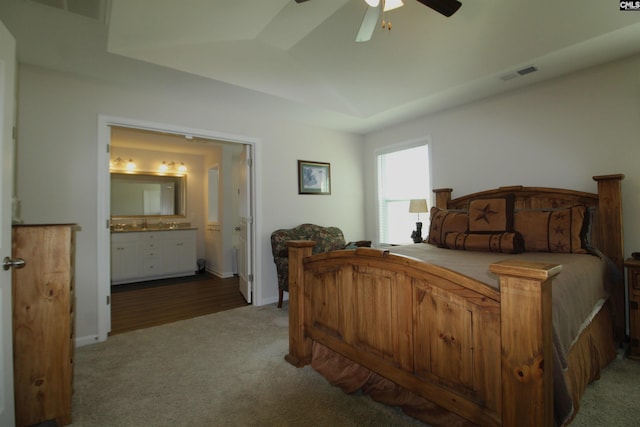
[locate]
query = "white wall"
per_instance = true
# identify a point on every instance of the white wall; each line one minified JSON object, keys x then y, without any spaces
{"x":57,"y":157}
{"x":554,"y":134}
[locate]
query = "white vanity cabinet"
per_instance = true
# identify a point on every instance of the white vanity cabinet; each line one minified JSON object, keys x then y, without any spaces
{"x":124,"y":258}
{"x":179,"y":253}
{"x":148,"y":255}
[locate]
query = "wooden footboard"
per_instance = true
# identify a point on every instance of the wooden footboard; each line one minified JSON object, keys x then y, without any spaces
{"x":431,"y":330}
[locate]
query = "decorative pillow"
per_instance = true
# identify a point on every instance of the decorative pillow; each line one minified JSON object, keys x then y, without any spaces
{"x":445,"y":221}
{"x":508,"y":243}
{"x":558,"y":230}
{"x":491,"y":215}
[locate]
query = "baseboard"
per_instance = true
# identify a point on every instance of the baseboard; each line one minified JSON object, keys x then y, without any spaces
{"x":222,"y":275}
{"x":87,"y":340}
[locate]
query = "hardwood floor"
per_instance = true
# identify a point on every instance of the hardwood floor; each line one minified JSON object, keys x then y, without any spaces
{"x":141,"y":305}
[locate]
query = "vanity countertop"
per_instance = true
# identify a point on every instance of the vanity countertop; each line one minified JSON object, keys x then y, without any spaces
{"x":149,"y":229}
{"x":131,"y":228}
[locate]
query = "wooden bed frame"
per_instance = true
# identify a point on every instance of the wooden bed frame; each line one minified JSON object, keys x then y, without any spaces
{"x":381,"y":310}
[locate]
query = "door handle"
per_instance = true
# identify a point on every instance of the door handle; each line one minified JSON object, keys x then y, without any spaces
{"x":237,"y":228}
{"x":7,"y":263}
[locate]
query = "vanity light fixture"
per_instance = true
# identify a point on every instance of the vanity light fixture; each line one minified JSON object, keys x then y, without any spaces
{"x":116,"y":163}
{"x":166,"y":167}
{"x":130,"y":165}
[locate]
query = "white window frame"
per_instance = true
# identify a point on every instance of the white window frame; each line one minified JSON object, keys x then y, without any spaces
{"x":426,"y":140}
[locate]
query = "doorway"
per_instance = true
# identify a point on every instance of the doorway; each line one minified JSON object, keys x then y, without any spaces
{"x":191,"y":140}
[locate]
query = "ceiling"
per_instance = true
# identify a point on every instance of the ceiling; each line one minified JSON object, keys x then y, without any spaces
{"x":302,"y":59}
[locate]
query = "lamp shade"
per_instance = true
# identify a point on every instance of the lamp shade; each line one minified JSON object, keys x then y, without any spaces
{"x":418,"y":205}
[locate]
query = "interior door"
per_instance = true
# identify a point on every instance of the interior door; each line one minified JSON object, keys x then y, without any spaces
{"x":7,"y":109}
{"x":245,"y":262}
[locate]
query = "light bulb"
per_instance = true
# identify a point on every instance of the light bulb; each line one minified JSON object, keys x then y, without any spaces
{"x":392,"y":4}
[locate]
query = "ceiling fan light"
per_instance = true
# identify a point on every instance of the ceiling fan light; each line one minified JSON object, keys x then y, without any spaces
{"x":372,"y":3}
{"x":392,"y":4}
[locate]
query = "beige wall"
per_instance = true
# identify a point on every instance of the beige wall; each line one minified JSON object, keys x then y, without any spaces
{"x":58,"y":153}
{"x":559,"y":133}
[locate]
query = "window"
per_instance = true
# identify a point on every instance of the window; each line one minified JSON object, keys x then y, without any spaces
{"x":403,"y":174}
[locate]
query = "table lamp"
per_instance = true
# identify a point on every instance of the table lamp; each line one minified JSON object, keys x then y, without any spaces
{"x":417,"y":206}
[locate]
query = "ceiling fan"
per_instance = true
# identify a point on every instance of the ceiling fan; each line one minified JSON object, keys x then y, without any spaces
{"x":372,"y":16}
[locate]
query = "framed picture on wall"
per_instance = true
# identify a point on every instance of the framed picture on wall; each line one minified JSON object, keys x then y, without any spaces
{"x":314,"y":177}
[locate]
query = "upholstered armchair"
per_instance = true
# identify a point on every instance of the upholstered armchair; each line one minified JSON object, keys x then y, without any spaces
{"x":327,"y":239}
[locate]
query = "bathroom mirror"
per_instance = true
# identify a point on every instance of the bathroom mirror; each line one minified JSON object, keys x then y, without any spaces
{"x":148,"y":194}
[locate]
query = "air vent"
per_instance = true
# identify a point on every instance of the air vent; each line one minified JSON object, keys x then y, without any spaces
{"x":527,"y":70}
{"x":94,"y":9}
{"x":521,"y":72}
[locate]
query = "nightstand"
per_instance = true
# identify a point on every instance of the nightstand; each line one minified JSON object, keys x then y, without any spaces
{"x":633,"y":280}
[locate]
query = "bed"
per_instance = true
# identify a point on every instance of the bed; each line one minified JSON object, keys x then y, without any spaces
{"x":452,"y":344}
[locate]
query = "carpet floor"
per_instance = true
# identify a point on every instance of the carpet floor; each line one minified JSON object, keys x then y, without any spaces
{"x":227,"y":369}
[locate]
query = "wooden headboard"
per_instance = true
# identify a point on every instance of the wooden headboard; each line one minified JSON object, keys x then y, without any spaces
{"x":608,"y":221}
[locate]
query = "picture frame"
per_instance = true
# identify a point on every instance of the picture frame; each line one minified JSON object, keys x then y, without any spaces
{"x":314,"y":177}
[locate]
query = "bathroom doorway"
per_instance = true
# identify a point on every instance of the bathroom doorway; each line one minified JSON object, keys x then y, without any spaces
{"x":156,"y":145}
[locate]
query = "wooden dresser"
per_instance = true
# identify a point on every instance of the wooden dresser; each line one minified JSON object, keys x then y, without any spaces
{"x":43,"y":322}
{"x":633,"y":278}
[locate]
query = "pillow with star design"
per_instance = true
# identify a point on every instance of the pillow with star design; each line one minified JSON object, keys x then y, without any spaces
{"x":445,"y":221}
{"x":558,"y":230}
{"x":491,"y":215}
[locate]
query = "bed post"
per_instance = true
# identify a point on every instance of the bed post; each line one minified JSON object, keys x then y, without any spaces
{"x":526,"y":342}
{"x":611,"y":239}
{"x":443,"y":197}
{"x":299,"y":345}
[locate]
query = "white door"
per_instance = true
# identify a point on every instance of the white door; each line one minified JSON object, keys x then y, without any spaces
{"x":245,"y":262}
{"x":7,"y":110}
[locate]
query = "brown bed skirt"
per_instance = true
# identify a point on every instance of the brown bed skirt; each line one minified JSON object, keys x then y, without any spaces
{"x":593,"y":350}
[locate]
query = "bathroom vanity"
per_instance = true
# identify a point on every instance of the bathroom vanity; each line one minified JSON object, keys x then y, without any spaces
{"x":139,"y":255}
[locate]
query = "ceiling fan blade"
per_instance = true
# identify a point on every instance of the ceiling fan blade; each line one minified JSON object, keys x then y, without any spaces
{"x":301,"y":1}
{"x":369,"y":23}
{"x":445,"y":7}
